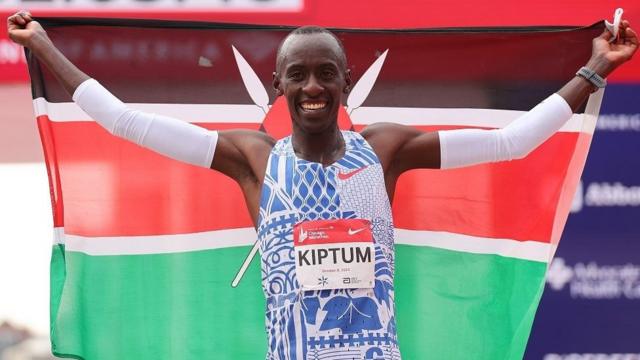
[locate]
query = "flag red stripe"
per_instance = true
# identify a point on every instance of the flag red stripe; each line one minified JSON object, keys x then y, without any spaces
{"x":574,"y":172}
{"x":113,"y":188}
{"x":514,"y":200}
{"x":49,"y":150}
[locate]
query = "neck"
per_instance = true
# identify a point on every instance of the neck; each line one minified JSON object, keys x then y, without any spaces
{"x":326,"y":147}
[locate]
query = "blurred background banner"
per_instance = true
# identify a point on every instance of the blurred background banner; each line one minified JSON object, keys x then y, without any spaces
{"x":592,"y":301}
{"x":330,"y":13}
{"x":209,"y":5}
{"x":590,"y":308}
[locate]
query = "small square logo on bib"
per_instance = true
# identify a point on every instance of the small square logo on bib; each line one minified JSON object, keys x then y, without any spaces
{"x":334,"y":254}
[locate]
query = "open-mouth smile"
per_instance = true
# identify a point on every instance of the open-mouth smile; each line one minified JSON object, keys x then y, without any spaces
{"x":311,"y":106}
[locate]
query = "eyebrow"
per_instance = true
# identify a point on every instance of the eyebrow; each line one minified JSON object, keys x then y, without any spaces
{"x":296,"y":66}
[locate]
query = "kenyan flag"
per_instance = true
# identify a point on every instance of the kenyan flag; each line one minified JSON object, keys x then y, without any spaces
{"x":146,"y":248}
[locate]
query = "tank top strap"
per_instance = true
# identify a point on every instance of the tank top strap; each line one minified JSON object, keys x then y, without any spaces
{"x":358,"y":152}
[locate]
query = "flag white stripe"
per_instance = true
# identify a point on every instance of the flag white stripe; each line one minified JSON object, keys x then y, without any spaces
{"x":201,"y":113}
{"x":159,"y":244}
{"x":525,"y":250}
{"x":231,"y":113}
{"x":592,"y":111}
{"x":490,"y":118}
{"x":163,"y":244}
{"x":58,"y":235}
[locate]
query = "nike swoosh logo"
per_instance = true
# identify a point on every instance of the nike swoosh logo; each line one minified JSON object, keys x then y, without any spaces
{"x":353,"y":232}
{"x":347,"y":175}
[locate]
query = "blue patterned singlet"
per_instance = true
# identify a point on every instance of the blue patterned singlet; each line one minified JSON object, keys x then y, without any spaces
{"x":326,"y":324}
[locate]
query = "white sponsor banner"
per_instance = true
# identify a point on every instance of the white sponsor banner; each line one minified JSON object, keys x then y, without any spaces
{"x":221,"y":5}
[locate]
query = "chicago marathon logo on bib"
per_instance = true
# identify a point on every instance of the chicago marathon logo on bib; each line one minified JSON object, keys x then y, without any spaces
{"x":334,"y":254}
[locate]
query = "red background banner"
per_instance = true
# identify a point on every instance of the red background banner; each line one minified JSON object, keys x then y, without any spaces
{"x":367,"y":14}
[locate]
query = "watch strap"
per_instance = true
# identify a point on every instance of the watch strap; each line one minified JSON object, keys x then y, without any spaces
{"x":592,"y":77}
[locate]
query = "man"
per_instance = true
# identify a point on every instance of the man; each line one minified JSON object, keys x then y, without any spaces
{"x":323,"y":194}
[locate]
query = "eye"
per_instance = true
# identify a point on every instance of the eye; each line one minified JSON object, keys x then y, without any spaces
{"x":328,"y":74}
{"x":295,"y":76}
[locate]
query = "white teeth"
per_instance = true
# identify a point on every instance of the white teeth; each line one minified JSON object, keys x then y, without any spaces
{"x":313,"y":106}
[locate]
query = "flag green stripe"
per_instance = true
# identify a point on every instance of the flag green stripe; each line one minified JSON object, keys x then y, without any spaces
{"x":169,"y":306}
{"x":454,"y":305}
{"x":57,"y":273}
{"x":166,"y":306}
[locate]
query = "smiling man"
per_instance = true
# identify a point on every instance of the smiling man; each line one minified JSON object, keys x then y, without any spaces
{"x":320,"y":199}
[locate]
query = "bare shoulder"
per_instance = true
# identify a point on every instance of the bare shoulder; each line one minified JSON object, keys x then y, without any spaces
{"x":249,"y":139}
{"x":388,"y":132}
{"x":242,"y":154}
{"x":401,"y":148}
{"x":387,"y":138}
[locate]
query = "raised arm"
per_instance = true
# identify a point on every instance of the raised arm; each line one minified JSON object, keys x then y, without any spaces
{"x":24,"y":31}
{"x":402,"y":148}
{"x":240,"y":154}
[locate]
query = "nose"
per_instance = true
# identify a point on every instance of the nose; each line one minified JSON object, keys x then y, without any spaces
{"x":312,"y":87}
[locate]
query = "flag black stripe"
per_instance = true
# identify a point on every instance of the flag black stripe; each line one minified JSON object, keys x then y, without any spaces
{"x":162,"y":61}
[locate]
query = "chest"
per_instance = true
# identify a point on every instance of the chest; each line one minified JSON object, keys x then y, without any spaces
{"x":296,"y":192}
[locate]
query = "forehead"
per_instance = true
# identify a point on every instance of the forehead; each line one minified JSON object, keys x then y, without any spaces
{"x":305,"y":48}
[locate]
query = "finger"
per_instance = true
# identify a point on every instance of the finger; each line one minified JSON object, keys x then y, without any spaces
{"x":624,"y":24}
{"x":606,"y":35}
{"x":11,"y":23}
{"x":26,"y":15}
{"x":631,"y":37}
{"x":628,"y":35}
{"x":20,"y":20}
{"x":622,"y":35}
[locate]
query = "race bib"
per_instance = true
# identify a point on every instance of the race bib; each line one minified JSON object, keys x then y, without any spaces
{"x":334,"y":254}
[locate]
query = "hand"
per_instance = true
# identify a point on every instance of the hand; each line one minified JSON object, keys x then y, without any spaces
{"x":23,"y":29}
{"x":606,"y":56}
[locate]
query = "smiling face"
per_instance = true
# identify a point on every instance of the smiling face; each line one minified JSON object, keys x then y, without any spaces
{"x":311,"y":74}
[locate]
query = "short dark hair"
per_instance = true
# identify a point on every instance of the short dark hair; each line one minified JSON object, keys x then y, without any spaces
{"x":309,"y":30}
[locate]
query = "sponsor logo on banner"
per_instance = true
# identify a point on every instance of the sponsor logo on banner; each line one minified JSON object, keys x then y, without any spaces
{"x":285,"y":5}
{"x":593,"y":281}
{"x":605,"y":194}
{"x":592,"y":356}
{"x":618,"y":122}
{"x":612,"y":194}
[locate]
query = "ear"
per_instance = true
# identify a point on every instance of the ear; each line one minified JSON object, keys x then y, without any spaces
{"x":276,"y":84}
{"x":347,"y":80}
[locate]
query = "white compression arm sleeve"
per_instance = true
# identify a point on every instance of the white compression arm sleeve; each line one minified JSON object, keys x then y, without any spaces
{"x":466,"y":147}
{"x":170,"y":137}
